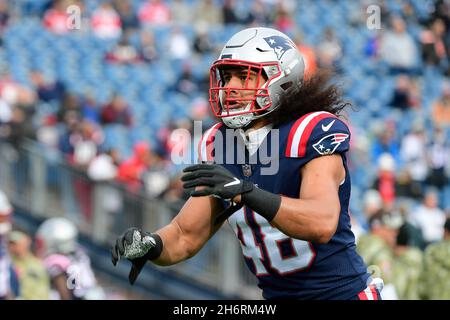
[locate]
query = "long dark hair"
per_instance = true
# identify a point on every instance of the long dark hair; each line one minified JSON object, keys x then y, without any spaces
{"x":317,"y":93}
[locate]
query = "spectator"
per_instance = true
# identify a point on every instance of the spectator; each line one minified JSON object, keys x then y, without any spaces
{"x":441,"y":10}
{"x":123,"y":52}
{"x":408,"y":234}
{"x":229,"y":12}
{"x":405,"y":95}
{"x":206,"y":11}
{"x":4,"y":15}
{"x":55,"y":18}
{"x":131,"y":170}
{"x":81,"y":142}
{"x":69,"y":110}
{"x":89,"y":108}
{"x":14,"y":93}
{"x":436,"y":273}
{"x":179,"y":47}
{"x":433,"y":44}
{"x":386,"y":142}
{"x":18,"y":129}
{"x":385,"y":182}
{"x":116,"y":112}
{"x":5,"y":114}
{"x":377,"y":250}
{"x":413,"y":153}
{"x":33,"y":279}
{"x":283,"y":20}
{"x":156,"y":180}
{"x":406,"y":268}
{"x":202,"y":43}
{"x":409,"y":14}
{"x":4,"y":18}
{"x":429,"y":218}
{"x":441,"y":108}
{"x":148,"y":50}
{"x":372,"y":204}
{"x":186,"y":83}
{"x":154,"y":12}
{"x":106,"y":22}
{"x":372,"y":48}
{"x":127,"y":16}
{"x":438,"y":152}
{"x":86,"y":143}
{"x":181,"y":13}
{"x":258,"y":15}
{"x":398,"y":48}
{"x":406,"y":187}
{"x":103,"y":170}
{"x":329,"y":50}
{"x":104,"y":166}
{"x":65,"y":144}
{"x":46,"y":89}
{"x":47,"y":133}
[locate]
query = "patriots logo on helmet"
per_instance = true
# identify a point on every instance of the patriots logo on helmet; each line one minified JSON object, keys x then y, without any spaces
{"x":279,"y":45}
{"x":328,"y":144}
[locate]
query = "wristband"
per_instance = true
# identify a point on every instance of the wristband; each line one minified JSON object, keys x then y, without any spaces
{"x":262,"y":202}
{"x":155,"y":252}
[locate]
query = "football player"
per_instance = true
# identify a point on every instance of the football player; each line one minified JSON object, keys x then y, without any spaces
{"x":293,"y":225}
{"x":67,"y":265}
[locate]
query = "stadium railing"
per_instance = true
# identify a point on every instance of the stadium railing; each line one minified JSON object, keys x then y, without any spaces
{"x":38,"y":179}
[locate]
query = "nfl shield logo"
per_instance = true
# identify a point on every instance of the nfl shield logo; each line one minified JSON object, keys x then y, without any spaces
{"x":246,"y":170}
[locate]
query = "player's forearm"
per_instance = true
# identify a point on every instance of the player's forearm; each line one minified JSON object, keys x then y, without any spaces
{"x":310,"y":220}
{"x":176,"y":245}
{"x":313,"y":219}
{"x":189,"y":230}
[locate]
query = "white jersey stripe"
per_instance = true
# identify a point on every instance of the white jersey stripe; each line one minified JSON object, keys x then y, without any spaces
{"x":299,"y":132}
{"x":204,"y":142}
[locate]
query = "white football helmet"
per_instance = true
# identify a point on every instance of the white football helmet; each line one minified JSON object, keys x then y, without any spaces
{"x":5,"y":214}
{"x":266,"y":51}
{"x":56,"y":235}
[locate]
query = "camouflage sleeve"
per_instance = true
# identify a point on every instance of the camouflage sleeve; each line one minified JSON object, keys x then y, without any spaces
{"x":435,"y":278}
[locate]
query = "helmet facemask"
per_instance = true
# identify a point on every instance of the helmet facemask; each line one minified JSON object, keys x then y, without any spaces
{"x":238,"y":106}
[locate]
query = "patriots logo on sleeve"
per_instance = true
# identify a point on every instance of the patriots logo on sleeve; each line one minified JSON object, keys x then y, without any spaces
{"x":279,"y":45}
{"x":328,"y":144}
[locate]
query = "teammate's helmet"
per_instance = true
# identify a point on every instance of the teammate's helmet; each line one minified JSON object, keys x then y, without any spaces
{"x":5,"y":214}
{"x":56,"y":235}
{"x":266,"y":51}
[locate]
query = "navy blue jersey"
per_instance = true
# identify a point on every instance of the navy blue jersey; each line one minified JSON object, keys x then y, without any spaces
{"x":287,"y":267}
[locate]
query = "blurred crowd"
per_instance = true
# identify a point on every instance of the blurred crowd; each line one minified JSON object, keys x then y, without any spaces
{"x":397,"y":77}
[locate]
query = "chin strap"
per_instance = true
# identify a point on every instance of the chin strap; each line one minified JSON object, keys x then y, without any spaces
{"x":239,"y":121}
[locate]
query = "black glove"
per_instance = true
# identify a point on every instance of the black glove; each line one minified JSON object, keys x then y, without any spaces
{"x":138,"y":247}
{"x":218,"y":181}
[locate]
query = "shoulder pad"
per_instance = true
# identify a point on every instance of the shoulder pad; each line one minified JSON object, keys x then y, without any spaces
{"x":316,"y":134}
{"x":56,"y":264}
